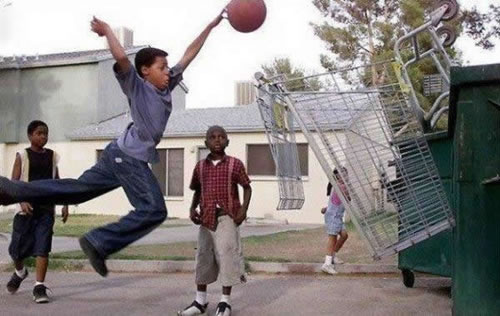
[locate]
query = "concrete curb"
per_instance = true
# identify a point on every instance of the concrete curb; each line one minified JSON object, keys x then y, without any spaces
{"x":165,"y":266}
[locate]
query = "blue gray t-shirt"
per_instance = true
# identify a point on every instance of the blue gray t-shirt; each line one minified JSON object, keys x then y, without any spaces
{"x":150,"y":109}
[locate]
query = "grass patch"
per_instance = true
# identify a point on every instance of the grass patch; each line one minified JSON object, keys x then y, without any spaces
{"x":79,"y":224}
{"x":293,"y":246}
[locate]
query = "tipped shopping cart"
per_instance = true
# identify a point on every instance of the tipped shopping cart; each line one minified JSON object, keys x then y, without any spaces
{"x":368,"y":120}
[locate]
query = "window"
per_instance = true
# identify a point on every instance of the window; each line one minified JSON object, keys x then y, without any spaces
{"x":169,"y":171}
{"x":260,"y":161}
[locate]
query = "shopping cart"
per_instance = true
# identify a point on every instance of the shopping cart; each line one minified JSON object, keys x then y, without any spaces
{"x":280,"y":131}
{"x":368,"y":120}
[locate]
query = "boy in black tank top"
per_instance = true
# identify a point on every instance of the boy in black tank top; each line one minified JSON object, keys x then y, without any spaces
{"x":33,"y":223}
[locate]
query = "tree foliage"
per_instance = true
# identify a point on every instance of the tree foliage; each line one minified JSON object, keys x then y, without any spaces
{"x":283,"y":66}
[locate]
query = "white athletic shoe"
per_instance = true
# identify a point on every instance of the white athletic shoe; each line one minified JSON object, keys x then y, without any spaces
{"x":194,"y":309}
{"x":337,"y":260}
{"x":328,"y":268}
{"x":223,"y":309}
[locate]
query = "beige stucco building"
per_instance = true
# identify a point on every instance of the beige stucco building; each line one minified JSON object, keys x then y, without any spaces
{"x":77,"y":96}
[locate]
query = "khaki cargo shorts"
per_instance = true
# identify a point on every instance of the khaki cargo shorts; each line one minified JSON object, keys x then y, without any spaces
{"x":220,"y":254}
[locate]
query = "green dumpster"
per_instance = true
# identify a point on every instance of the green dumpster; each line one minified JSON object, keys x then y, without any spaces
{"x":475,"y":127}
{"x":434,"y":254}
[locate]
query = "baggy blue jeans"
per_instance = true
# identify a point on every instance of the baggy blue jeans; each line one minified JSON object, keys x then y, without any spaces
{"x":114,"y":169}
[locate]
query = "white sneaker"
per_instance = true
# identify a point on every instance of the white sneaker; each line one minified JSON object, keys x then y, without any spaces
{"x":223,"y":309}
{"x":337,"y":260}
{"x":328,"y":268}
{"x":194,"y":309}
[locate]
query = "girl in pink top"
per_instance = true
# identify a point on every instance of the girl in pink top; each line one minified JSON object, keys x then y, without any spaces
{"x":334,"y":222}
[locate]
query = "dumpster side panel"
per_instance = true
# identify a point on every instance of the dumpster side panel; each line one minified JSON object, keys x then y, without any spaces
{"x":434,"y":254}
{"x":476,"y":275}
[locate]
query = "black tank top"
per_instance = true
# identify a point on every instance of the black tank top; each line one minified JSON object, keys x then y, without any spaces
{"x":41,"y":168}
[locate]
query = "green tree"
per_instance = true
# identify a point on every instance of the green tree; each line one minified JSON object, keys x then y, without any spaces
{"x":483,"y":27}
{"x":365,"y":31}
{"x":294,"y":77}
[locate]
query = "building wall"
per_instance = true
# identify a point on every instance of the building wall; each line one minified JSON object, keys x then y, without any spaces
{"x":79,"y":156}
{"x":64,"y":97}
{"x":10,"y":104}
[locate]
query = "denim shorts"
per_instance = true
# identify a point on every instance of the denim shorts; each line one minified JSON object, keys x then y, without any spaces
{"x":32,"y":235}
{"x":334,"y":219}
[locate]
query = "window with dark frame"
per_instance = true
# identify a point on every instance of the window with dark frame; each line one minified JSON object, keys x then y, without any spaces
{"x":260,"y":160}
{"x":169,"y":171}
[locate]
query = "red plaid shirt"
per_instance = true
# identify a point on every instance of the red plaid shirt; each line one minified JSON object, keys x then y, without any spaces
{"x":219,"y":186}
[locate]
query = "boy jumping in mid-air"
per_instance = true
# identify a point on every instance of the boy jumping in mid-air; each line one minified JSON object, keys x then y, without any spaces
{"x":124,"y":162}
{"x":33,"y":223}
{"x":215,"y":183}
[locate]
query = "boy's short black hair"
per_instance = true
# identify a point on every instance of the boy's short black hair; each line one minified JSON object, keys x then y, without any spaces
{"x":34,"y":124}
{"x":146,"y":57}
{"x":213,"y":128}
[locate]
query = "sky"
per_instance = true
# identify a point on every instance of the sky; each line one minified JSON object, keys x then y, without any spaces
{"x":29,"y":27}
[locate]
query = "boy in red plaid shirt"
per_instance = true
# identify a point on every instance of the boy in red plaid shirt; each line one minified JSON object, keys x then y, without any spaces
{"x":215,"y":184}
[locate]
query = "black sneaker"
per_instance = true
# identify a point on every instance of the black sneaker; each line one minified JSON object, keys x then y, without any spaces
{"x":40,"y":294}
{"x":5,"y":198}
{"x":96,"y":261}
{"x":15,"y":282}
{"x":223,"y":309}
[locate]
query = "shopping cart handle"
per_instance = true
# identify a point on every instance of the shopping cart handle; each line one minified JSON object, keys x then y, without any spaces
{"x":494,"y":180}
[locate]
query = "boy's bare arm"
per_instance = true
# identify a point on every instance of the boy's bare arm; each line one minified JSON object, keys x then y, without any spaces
{"x":64,"y":210}
{"x":247,"y":195}
{"x":193,"y":214}
{"x":16,"y":175}
{"x":16,"y":169}
{"x":102,"y":28}
{"x":195,"y":47}
{"x":242,"y":215}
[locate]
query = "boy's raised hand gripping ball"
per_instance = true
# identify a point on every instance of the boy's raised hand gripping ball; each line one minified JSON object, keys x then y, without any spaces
{"x":246,"y":15}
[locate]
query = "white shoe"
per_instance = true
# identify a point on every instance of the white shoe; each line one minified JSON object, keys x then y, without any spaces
{"x":328,"y":268}
{"x":194,"y":309}
{"x":337,"y":260}
{"x":223,"y":309}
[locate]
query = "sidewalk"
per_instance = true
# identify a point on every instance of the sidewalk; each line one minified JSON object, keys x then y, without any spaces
{"x":253,"y":227}
{"x":78,"y":293}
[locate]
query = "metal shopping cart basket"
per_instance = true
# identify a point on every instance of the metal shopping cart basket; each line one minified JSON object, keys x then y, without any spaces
{"x":368,"y":120}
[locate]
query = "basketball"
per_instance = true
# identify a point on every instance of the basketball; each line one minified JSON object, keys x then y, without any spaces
{"x":246,"y":15}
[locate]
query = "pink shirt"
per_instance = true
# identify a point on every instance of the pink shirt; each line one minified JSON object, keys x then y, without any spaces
{"x":334,"y":197}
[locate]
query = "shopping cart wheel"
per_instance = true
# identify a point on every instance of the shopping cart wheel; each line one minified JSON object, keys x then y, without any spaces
{"x":449,"y":33}
{"x":452,"y":9}
{"x":408,"y":278}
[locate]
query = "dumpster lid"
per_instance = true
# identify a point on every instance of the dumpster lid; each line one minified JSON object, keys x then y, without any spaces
{"x":468,"y":76}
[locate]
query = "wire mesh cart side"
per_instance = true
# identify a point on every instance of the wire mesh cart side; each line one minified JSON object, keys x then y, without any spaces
{"x":280,"y":131}
{"x":367,"y":122}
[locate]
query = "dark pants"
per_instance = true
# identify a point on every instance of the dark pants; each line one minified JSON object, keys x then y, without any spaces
{"x":32,"y":235}
{"x":114,"y":169}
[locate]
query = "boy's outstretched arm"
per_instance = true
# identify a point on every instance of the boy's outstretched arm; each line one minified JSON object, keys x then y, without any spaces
{"x":195,"y":47}
{"x":102,"y":28}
